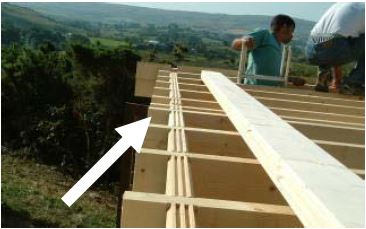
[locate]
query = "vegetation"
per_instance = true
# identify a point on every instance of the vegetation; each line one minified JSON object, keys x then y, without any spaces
{"x":31,"y":197}
{"x":59,"y":103}
{"x":108,"y":42}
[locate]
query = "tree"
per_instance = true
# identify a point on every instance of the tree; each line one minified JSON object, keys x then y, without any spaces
{"x":179,"y":51}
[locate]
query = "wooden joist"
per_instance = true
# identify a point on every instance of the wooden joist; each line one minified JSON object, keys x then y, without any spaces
{"x":195,"y":169}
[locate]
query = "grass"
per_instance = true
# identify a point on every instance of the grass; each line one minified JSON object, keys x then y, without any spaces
{"x":33,"y":192}
{"x":108,"y":42}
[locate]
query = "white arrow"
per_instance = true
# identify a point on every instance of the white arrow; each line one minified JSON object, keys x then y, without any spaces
{"x":133,"y":135}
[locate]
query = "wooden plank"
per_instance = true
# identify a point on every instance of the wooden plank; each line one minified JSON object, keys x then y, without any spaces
{"x":319,"y":107}
{"x":189,"y":102}
{"x":207,"y":120}
{"x":223,"y":144}
{"x":328,"y":132}
{"x":304,"y":91}
{"x":211,"y":212}
{"x":146,"y":74}
{"x":246,"y":182}
{"x":200,"y":103}
{"x":321,"y":190}
{"x":323,"y":121}
{"x":156,"y":137}
{"x":200,"y":156}
{"x":150,"y":173}
{"x":304,"y":98}
{"x":153,"y":215}
{"x":290,"y":103}
{"x":351,"y":155}
{"x":317,"y":115}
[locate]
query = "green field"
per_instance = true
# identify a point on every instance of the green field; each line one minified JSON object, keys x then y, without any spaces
{"x":108,"y":42}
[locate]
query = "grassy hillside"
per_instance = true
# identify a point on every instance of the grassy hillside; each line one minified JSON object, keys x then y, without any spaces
{"x":31,"y":197}
{"x":26,"y":18}
{"x":117,"y":13}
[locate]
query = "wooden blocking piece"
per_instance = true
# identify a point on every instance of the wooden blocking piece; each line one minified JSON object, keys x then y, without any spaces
{"x":161,"y":91}
{"x":150,"y":172}
{"x":239,"y":181}
{"x":159,"y":115}
{"x":321,"y":191}
{"x":195,"y":87}
{"x":189,"y":75}
{"x":323,"y":121}
{"x":351,"y":155}
{"x":207,"y":120}
{"x":189,"y":94}
{"x":229,"y":218}
{"x":303,"y":97}
{"x":190,"y":80}
{"x":146,"y":74}
{"x":318,"y":115}
{"x":326,"y":132}
{"x":162,"y":84}
{"x":308,"y":92}
{"x":142,"y":213}
{"x":156,"y":137}
{"x":163,"y":78}
{"x":219,"y":143}
{"x":208,"y":212}
{"x":200,"y":103}
{"x":160,"y":99}
{"x":318,"y":107}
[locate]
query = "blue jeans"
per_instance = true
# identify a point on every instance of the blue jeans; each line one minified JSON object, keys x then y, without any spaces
{"x":339,"y":51}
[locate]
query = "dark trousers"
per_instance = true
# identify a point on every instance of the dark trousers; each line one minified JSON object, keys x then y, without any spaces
{"x":339,"y":51}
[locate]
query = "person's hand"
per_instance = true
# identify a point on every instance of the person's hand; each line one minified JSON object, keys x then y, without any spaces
{"x":248,"y":42}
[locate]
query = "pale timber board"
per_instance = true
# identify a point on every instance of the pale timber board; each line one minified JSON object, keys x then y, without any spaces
{"x":282,"y":95}
{"x":351,"y":155}
{"x":321,"y":190}
{"x":196,"y":119}
{"x":289,"y":103}
{"x":214,"y":177}
{"x":210,"y":212}
{"x":318,"y":115}
{"x":147,"y":73}
{"x":302,"y":91}
{"x":305,"y":98}
{"x":318,"y":107}
{"x":246,"y":182}
{"x":150,"y":173}
{"x":295,"y":114}
{"x":202,"y":141}
{"x":327,"y":132}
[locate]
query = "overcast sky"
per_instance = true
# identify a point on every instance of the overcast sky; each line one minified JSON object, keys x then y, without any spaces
{"x":310,"y":11}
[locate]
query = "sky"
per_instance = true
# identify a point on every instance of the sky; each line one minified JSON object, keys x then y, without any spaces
{"x":310,"y":10}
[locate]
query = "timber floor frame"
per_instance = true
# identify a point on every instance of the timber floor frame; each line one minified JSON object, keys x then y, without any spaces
{"x":197,"y":169}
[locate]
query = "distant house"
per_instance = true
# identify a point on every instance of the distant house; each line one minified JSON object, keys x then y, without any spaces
{"x":153,"y":42}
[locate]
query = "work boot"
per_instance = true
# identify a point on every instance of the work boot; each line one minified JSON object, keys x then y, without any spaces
{"x":354,"y":84}
{"x":324,"y":77}
{"x":352,"y":88}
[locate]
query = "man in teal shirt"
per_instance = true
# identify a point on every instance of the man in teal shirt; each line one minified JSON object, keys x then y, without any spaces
{"x":265,"y":49}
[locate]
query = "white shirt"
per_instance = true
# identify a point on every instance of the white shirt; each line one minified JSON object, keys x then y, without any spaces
{"x":346,"y":19}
